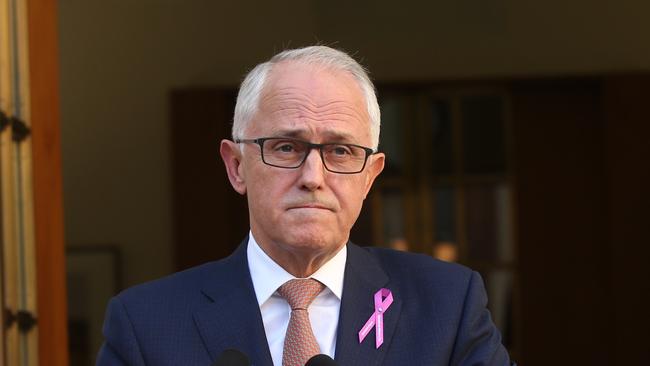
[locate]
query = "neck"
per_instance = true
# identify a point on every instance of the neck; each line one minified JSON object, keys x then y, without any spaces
{"x":301,"y":266}
{"x":300,"y":263}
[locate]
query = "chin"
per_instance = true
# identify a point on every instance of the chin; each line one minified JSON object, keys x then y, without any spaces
{"x":315,"y":239}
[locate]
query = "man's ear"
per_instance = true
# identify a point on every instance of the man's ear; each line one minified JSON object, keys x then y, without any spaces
{"x":374,"y":166}
{"x":232,"y":159}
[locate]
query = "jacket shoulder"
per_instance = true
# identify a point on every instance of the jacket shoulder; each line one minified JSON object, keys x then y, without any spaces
{"x":420,"y":272}
{"x":180,"y":288}
{"x":415,"y":264}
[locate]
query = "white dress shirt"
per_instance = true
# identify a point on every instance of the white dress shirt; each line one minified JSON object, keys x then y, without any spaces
{"x":267,"y":276}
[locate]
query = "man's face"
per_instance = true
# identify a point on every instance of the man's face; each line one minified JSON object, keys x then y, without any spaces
{"x":306,"y":211}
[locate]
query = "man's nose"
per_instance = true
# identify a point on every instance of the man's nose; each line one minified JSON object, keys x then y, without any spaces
{"x":312,"y":171}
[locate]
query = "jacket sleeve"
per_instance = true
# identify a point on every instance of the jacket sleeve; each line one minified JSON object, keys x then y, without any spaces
{"x":120,"y":343}
{"x":478,"y":342}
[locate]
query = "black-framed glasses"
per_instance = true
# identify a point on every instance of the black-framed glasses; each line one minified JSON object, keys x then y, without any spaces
{"x":290,"y":153}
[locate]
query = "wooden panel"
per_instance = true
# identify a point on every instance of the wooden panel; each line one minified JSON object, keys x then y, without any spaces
{"x":8,"y":255}
{"x":210,"y":218}
{"x":628,"y":154}
{"x":47,"y":185}
{"x":562,"y":231}
{"x":8,"y":337}
{"x":18,"y":239}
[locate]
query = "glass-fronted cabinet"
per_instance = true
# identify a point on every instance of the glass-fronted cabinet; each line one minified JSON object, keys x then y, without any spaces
{"x":447,"y":188}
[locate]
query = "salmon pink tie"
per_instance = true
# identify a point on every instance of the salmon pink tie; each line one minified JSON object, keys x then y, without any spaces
{"x":299,"y":343}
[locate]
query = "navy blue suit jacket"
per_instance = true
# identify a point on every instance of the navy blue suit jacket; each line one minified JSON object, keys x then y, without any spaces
{"x":438,"y":316}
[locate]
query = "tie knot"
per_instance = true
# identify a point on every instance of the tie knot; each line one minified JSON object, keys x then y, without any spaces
{"x":300,"y":292}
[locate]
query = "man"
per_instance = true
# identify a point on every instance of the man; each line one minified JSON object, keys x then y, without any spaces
{"x":304,"y":153}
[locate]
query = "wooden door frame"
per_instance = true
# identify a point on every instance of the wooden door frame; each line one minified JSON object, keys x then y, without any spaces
{"x":47,"y":182}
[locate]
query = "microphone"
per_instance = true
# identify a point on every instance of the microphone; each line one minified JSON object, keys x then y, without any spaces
{"x":321,"y":360}
{"x":232,"y":357}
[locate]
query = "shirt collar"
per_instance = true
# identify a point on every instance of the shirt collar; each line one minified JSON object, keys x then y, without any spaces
{"x":267,"y":275}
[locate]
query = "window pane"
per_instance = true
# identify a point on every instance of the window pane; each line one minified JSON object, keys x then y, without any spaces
{"x":499,"y":287}
{"x":393,"y":219}
{"x":393,"y":119}
{"x":445,"y":246}
{"x":488,"y":223}
{"x":445,"y":214}
{"x":483,"y":134}
{"x":441,"y":138}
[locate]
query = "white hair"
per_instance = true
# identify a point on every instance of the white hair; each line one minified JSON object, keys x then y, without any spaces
{"x":251,"y":88}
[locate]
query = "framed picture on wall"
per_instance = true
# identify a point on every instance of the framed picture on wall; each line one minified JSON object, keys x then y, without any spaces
{"x":93,"y":277}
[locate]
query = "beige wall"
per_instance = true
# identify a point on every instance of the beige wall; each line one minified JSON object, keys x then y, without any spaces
{"x":474,"y":38}
{"x":119,"y":60}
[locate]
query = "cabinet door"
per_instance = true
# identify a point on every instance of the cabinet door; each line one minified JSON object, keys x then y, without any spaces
{"x":210,"y":218}
{"x":447,"y":188}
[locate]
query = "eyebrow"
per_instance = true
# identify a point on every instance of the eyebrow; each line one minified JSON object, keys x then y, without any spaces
{"x":330,"y":136}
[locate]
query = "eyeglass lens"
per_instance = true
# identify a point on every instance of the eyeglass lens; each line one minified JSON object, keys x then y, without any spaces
{"x":290,"y":153}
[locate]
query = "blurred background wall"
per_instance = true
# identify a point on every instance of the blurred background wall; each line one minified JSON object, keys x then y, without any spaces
{"x":120,"y":61}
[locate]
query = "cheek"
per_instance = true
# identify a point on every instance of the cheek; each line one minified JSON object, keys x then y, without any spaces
{"x":265,"y":190}
{"x":351,"y":199}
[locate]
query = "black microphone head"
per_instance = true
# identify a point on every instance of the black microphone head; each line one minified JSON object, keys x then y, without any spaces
{"x":321,"y":360}
{"x":232,"y":357}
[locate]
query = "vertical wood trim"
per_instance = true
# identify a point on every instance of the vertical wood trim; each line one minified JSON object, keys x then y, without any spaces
{"x":511,"y":184}
{"x":409,"y":187}
{"x":16,"y":222}
{"x":27,"y":275}
{"x":426,"y":216}
{"x":47,"y":182}
{"x":6,"y":226}
{"x":9,"y":262}
{"x":459,"y":176}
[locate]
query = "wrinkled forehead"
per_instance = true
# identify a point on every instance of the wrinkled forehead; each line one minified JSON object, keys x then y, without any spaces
{"x":315,"y":95}
{"x":320,"y":80}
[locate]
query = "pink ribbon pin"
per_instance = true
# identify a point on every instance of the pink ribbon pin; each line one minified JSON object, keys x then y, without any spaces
{"x":377,"y":318}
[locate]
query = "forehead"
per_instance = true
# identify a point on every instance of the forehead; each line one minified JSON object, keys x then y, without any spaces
{"x":313,"y":101}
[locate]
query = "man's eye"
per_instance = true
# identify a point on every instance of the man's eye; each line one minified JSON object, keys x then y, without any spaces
{"x":341,"y":150}
{"x":286,"y":147}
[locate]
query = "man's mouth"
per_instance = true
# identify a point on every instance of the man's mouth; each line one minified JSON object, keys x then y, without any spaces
{"x":316,"y":206}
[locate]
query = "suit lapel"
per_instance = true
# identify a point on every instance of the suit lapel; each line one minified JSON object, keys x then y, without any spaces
{"x":232,"y":319}
{"x":363,"y":278}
